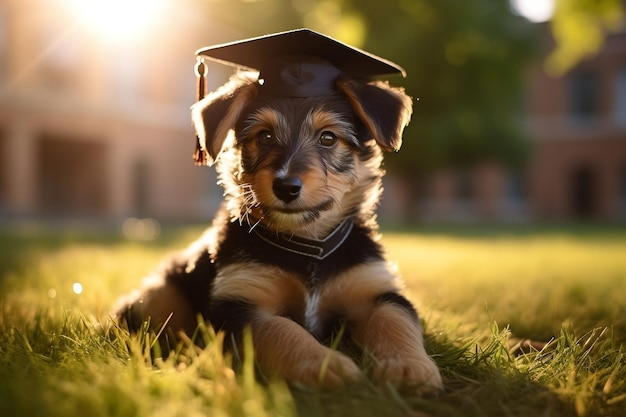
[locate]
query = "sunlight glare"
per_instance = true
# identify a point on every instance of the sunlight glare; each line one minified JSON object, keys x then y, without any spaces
{"x":77,"y":288}
{"x":118,"y":20}
{"x":534,"y":10}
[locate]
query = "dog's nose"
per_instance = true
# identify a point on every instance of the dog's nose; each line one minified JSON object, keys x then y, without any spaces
{"x":287,"y":188}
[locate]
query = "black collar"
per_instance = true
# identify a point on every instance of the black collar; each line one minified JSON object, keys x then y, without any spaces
{"x":312,"y":248}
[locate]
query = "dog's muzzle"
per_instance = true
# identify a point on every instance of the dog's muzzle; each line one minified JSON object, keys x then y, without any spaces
{"x":287,"y":188}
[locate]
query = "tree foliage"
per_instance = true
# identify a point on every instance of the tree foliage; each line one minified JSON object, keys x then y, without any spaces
{"x":579,"y":28}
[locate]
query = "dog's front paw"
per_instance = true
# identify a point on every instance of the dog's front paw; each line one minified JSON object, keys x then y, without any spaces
{"x":338,"y":369}
{"x":333,"y":370}
{"x":420,"y":372}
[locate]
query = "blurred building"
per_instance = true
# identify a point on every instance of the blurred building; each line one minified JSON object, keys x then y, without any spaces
{"x":578,"y":123}
{"x":577,"y":166}
{"x":94,"y":121}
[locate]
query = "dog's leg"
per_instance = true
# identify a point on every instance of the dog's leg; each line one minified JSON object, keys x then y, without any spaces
{"x":162,"y":303}
{"x":384,"y":323}
{"x":285,"y":348}
{"x":394,"y":337}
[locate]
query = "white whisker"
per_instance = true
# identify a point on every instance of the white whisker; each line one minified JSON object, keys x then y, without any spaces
{"x":254,"y":225}
{"x":243,"y":195}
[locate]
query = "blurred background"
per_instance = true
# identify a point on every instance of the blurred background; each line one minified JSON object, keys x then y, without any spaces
{"x":520,"y":110}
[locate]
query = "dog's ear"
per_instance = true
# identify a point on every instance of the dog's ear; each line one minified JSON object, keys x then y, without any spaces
{"x":384,"y":110}
{"x":215,"y":115}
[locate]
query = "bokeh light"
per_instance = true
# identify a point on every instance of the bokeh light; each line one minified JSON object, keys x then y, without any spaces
{"x":534,"y":10}
{"x":77,"y":288}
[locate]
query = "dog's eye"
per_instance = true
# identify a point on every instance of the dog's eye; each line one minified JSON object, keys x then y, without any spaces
{"x":265,"y":137}
{"x":328,"y":139}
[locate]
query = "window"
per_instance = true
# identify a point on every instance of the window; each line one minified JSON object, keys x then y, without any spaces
{"x":583,"y":98}
{"x":620,"y":98}
{"x":583,"y":192}
{"x":72,"y":176}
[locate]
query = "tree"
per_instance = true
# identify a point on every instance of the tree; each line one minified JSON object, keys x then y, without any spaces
{"x":579,"y":28}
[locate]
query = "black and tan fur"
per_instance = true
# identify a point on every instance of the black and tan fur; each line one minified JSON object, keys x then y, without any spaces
{"x":297,"y":166}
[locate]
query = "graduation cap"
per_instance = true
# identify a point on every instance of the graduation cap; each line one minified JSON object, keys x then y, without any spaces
{"x":297,"y":63}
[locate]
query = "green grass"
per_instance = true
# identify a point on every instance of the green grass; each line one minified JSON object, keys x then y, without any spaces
{"x":476,"y":290}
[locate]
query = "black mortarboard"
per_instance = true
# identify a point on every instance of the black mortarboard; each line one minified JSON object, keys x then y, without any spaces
{"x":299,"y":63}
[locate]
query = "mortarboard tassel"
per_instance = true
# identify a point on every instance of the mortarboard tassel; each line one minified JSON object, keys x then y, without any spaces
{"x":199,"y":156}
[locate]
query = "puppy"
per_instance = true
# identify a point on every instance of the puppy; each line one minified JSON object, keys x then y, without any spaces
{"x":293,"y":255}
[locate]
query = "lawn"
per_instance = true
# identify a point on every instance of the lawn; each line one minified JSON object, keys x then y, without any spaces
{"x":479,"y":291}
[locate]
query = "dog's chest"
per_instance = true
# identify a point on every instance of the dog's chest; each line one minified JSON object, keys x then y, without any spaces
{"x":319,"y":317}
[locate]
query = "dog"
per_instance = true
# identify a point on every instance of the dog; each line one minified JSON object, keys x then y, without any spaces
{"x":294,"y":254}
